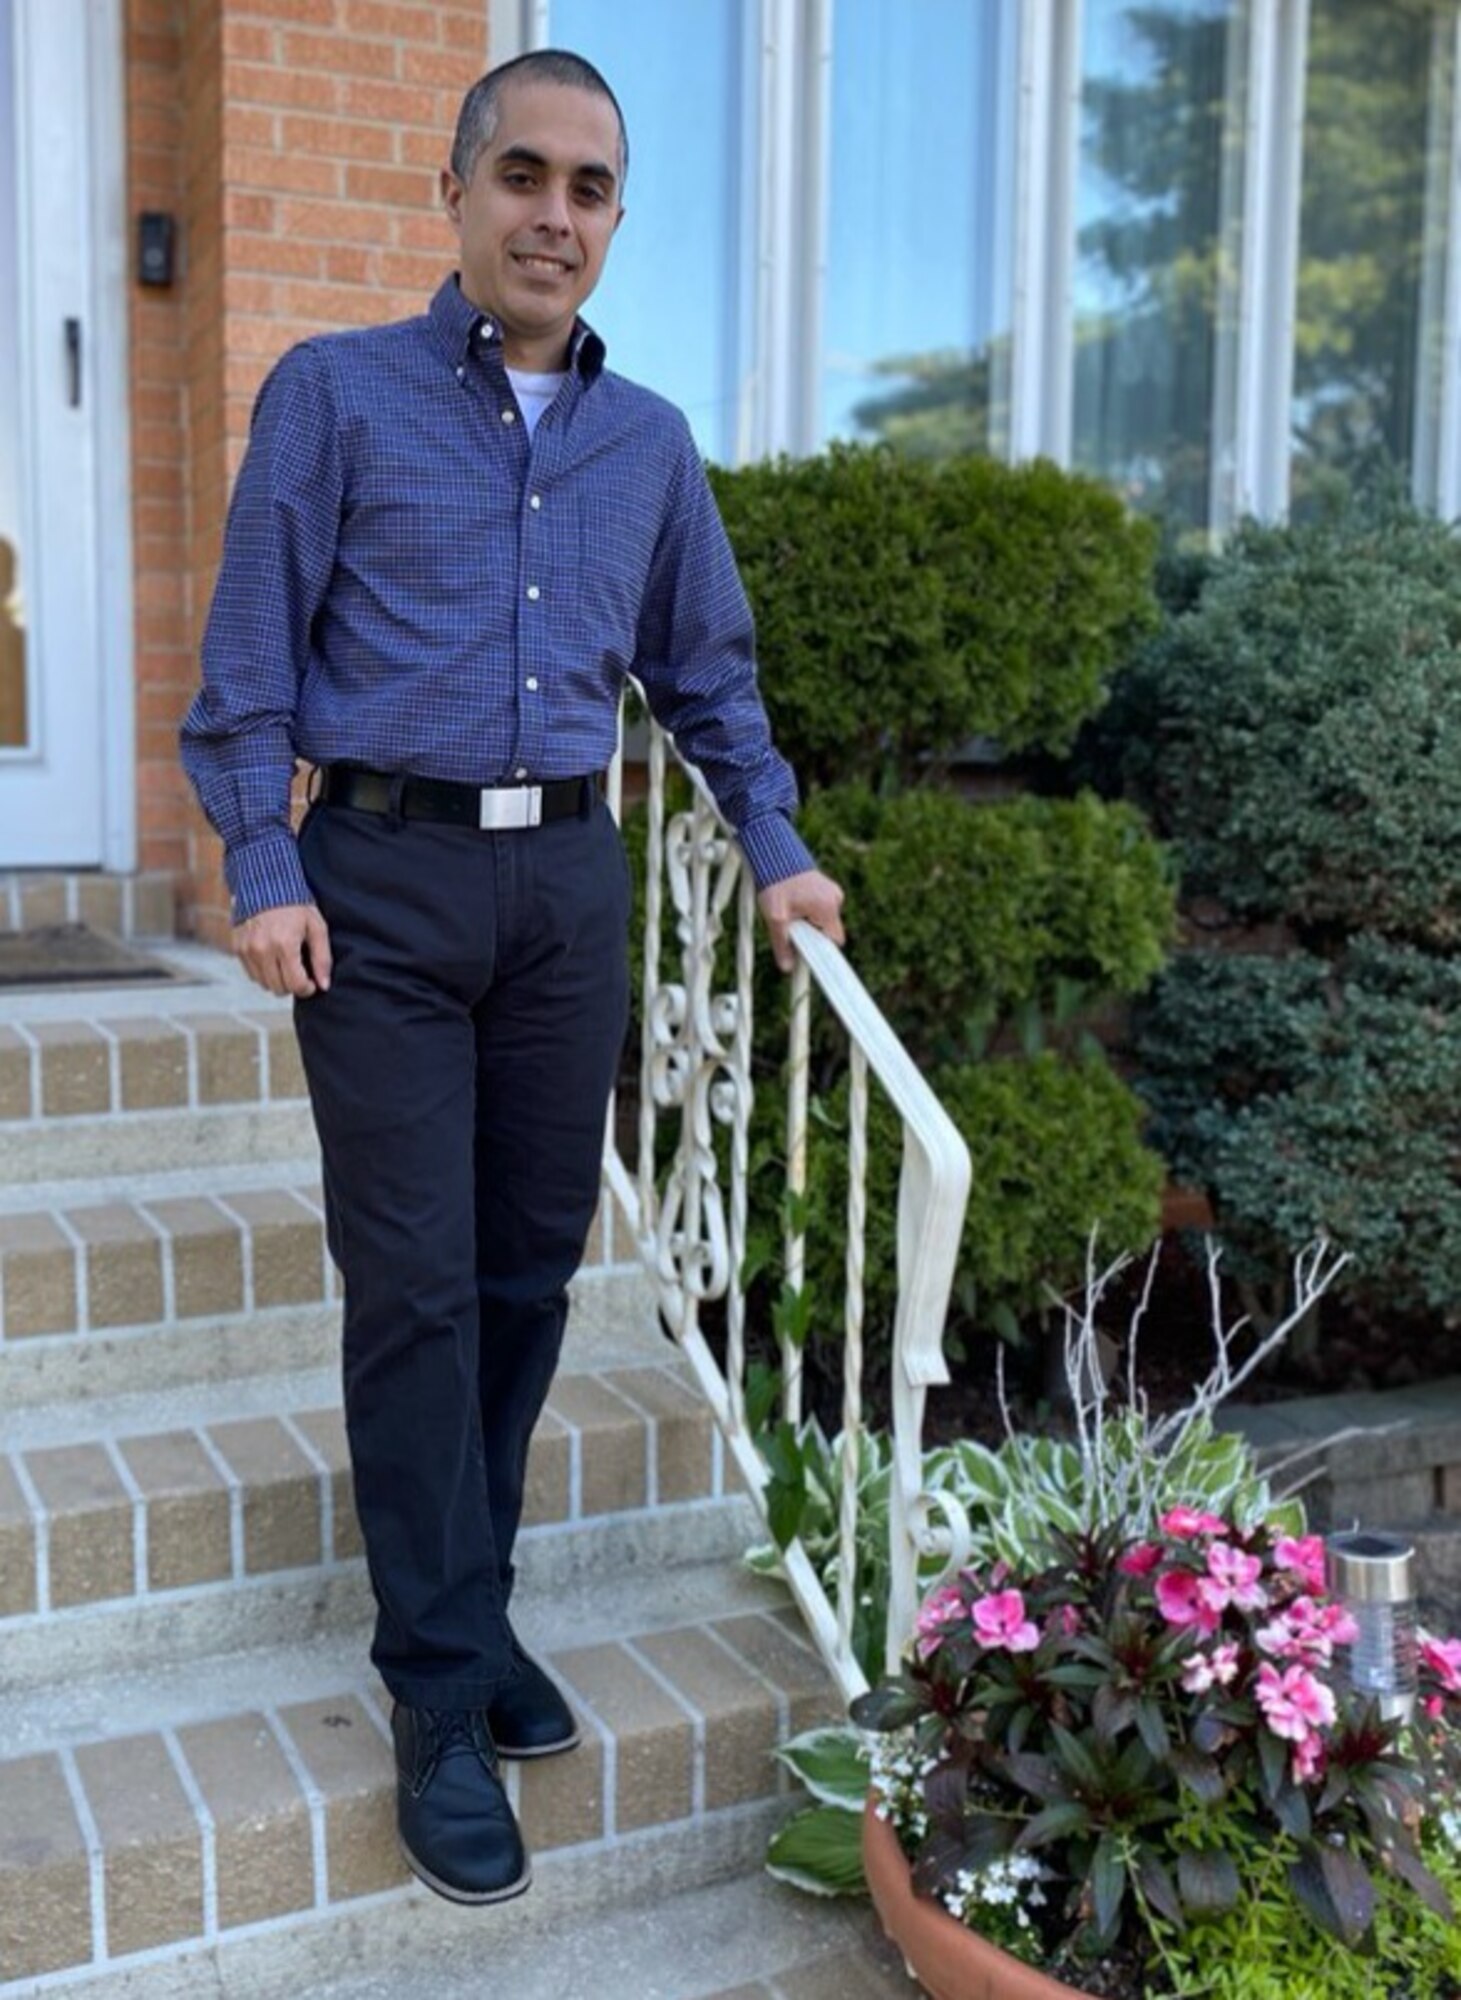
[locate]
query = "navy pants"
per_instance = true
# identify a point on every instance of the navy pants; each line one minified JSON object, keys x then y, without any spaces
{"x":459,"y":1070}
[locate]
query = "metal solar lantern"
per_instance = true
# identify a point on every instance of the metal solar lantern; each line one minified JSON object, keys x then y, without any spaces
{"x":1373,"y":1576}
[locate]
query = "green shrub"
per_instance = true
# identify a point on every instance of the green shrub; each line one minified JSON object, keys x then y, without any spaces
{"x":959,"y":914}
{"x":1312,"y":1097}
{"x":903,"y":607}
{"x":1299,"y":730}
{"x":1057,"y":1152}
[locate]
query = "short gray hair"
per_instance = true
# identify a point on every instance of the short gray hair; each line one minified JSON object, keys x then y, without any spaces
{"x":481,"y":107}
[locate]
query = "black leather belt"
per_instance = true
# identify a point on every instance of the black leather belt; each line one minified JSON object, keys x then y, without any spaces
{"x":489,"y":808}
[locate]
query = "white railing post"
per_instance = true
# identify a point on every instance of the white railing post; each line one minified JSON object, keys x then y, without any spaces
{"x":692,"y":1236}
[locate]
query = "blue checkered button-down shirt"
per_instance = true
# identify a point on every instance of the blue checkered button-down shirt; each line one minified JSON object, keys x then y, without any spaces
{"x":411,"y":583}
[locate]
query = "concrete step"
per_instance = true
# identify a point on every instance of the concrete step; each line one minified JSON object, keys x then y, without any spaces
{"x":187,"y":1817}
{"x":140,"y":1093}
{"x":194,"y":1274}
{"x":139,"y":905}
{"x":222,"y":1516}
{"x":648,"y":1942}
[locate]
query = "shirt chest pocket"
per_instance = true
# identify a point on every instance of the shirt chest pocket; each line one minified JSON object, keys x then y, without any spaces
{"x":429,"y":543}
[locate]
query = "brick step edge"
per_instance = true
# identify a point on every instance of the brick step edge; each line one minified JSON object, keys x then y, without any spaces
{"x":101,"y":1267}
{"x":130,"y":906}
{"x":88,"y":1068}
{"x":136,"y":1847}
{"x":161,"y":1515}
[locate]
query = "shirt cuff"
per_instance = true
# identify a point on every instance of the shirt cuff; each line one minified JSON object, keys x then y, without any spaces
{"x":265,"y":875}
{"x":773,"y":848}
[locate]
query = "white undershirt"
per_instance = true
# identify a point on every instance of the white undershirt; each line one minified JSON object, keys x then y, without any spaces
{"x":534,"y":392}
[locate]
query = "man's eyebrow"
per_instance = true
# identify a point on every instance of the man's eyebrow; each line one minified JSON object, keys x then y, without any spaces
{"x":594,"y":170}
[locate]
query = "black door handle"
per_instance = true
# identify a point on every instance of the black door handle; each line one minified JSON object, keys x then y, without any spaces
{"x":73,"y":363}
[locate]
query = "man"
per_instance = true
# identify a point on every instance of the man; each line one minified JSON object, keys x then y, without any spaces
{"x":449,"y":542}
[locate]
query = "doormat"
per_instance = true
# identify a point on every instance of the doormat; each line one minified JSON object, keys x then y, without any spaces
{"x":74,"y":955}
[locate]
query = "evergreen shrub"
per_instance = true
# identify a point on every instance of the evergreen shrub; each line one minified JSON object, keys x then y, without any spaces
{"x":1298,"y":732}
{"x":903,"y":607}
{"x":1319,"y":1097}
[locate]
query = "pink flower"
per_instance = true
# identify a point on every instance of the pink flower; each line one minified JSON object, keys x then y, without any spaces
{"x":1308,"y":1632}
{"x":1065,"y":1620}
{"x":1293,"y":1702}
{"x":1182,"y":1600}
{"x":1236,"y":1579}
{"x":1434,"y":1706}
{"x":1304,"y":1555}
{"x":1185,"y":1522}
{"x":1443,"y":1657}
{"x":1141,"y":1559}
{"x":1308,"y":1761}
{"x":1201,"y":1671}
{"x":940,"y":1609}
{"x":999,"y":1620}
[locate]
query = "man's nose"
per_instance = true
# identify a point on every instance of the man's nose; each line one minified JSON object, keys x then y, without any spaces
{"x":553,"y":211}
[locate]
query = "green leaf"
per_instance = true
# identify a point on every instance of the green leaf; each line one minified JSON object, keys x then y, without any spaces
{"x":1199,"y":1774}
{"x":819,"y":1850}
{"x":1350,"y":1890}
{"x":763,"y":1387}
{"x":1154,"y":1880}
{"x":1273,"y":1760}
{"x":885,"y":1709}
{"x":1208,"y":1881}
{"x":1005,"y":1321}
{"x":1108,"y":1885}
{"x":1077,"y":1758}
{"x":1151,"y":1726}
{"x":1413,"y":1870}
{"x":1306,"y":1878}
{"x":1054,"y":1823}
{"x":785,"y":1506}
{"x":832,"y":1764}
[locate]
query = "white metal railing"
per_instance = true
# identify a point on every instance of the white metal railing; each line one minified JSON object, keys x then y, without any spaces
{"x":689,"y":1219}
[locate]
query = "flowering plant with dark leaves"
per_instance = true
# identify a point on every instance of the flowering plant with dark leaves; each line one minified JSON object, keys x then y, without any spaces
{"x":1136,"y":1724}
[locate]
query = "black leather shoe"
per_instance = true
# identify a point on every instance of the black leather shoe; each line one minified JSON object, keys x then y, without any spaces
{"x":528,"y":1717}
{"x":456,"y":1827}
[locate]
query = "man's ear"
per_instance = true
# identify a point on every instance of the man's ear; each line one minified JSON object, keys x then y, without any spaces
{"x":451,"y":197}
{"x":618,"y":219}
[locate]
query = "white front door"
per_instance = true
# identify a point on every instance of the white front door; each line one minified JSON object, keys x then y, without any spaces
{"x":52,"y":705}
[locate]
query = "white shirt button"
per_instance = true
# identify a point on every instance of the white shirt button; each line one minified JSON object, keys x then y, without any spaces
{"x":509,"y":416}
{"x":534,"y":593}
{"x":536,"y":502}
{"x":532,"y":684}
{"x":461,"y":374}
{"x":521,"y":771}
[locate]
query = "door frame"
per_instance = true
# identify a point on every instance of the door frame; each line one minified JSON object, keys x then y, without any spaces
{"x":111,"y":279}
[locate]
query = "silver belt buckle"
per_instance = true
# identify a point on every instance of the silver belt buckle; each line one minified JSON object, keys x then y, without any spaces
{"x":508,"y":809}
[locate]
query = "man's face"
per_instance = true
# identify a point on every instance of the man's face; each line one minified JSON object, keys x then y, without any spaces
{"x":537,"y":216}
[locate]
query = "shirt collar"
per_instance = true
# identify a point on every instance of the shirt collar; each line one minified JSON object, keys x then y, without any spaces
{"x":459,"y":326}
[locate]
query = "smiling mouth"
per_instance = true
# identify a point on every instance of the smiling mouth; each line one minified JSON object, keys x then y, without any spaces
{"x":550,"y":266}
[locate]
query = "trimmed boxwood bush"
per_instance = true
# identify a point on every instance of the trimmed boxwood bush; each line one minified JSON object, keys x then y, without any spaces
{"x":958,"y":914}
{"x":903,"y":607}
{"x":1057,"y":1152}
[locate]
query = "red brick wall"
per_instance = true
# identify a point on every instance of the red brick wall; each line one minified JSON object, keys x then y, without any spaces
{"x":159,"y":416}
{"x":308,"y":135}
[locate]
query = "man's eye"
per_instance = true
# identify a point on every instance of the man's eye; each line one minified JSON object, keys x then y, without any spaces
{"x":518,"y":178}
{"x":591,"y":193}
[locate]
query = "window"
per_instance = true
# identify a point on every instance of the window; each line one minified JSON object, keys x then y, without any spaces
{"x":1157,"y":249}
{"x":917,"y":315}
{"x":1372,"y":243}
{"x":673,"y":303}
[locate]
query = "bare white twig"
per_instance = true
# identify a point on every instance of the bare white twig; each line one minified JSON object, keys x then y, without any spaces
{"x":1127,"y":1462}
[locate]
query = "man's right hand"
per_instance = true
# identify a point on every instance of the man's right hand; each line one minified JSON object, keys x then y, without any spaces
{"x":286,"y":950}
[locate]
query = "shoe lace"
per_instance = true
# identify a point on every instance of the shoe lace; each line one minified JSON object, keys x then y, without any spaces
{"x":451,"y":1726}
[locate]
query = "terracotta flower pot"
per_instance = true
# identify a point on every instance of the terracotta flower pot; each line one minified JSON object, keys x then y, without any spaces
{"x":952,"y":1963}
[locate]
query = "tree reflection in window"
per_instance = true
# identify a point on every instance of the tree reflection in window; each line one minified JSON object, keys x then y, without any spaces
{"x":1159,"y":217}
{"x":1371,"y":241}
